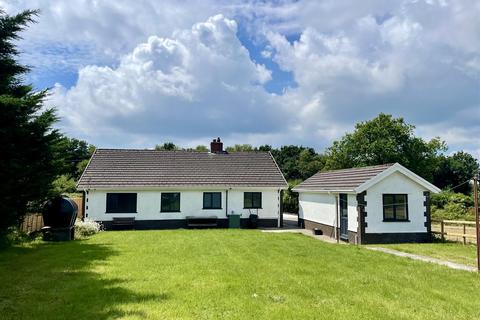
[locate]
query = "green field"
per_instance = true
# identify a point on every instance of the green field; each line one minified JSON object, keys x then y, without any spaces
{"x":225,"y":274}
{"x":450,"y":251}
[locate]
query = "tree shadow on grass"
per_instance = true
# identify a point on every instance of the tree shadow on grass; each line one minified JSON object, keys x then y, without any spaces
{"x":58,"y":281}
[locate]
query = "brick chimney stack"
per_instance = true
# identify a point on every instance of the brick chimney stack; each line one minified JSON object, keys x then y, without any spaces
{"x":216,"y":146}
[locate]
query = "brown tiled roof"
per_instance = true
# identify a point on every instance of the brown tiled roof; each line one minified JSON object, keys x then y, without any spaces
{"x":345,"y":179}
{"x":151,"y":168}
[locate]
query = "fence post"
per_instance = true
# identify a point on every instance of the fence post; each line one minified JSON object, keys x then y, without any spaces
{"x":464,"y":233}
{"x":442,"y":230}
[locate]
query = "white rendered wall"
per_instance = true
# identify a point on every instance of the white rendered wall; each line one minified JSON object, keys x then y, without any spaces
{"x":191,"y":204}
{"x":320,"y":207}
{"x":270,"y":204}
{"x":317,"y":207}
{"x":395,"y":183}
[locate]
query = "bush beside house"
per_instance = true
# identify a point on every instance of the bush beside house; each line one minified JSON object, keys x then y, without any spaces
{"x":452,"y":206}
{"x":86,"y":228}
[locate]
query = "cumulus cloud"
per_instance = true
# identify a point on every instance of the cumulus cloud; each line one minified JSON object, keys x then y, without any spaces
{"x":395,"y":62}
{"x":76,"y":33}
{"x":151,"y":71}
{"x":199,"y":82}
{"x":322,"y":62}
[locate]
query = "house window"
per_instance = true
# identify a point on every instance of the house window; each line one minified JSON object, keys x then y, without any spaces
{"x":212,"y":200}
{"x":395,"y":207}
{"x":252,"y":200}
{"x":121,"y":203}
{"x":170,"y":202}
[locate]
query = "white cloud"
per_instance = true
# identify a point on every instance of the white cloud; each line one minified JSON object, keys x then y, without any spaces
{"x":74,"y":33}
{"x":199,"y":82}
{"x":400,"y":32}
{"x":397,"y":63}
{"x":335,"y":64}
{"x":266,"y":54}
{"x":454,"y":135}
{"x":150,"y":71}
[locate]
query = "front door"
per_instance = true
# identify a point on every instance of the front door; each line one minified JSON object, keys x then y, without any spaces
{"x":343,"y":216}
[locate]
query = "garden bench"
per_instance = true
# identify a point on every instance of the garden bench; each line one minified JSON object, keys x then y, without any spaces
{"x":123,"y":222}
{"x":202,"y":222}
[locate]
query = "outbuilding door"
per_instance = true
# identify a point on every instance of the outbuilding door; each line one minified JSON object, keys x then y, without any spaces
{"x":343,"y":216}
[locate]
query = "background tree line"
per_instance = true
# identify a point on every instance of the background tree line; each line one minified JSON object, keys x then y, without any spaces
{"x":384,"y":139}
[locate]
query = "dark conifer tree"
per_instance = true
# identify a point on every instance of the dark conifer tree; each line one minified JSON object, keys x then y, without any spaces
{"x":29,"y":148}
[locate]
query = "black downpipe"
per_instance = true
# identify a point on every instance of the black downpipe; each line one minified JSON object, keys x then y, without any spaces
{"x":84,"y":206}
{"x":226,"y":203}
{"x":281,"y":208}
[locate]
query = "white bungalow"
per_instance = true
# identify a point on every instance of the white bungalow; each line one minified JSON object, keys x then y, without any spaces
{"x":149,"y":189}
{"x":376,"y":204}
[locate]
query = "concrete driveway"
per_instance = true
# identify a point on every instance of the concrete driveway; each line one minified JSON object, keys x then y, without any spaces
{"x":290,"y":221}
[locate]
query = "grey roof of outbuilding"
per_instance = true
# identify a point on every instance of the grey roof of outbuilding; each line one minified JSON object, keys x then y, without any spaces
{"x":344,"y":179}
{"x":112,"y":168}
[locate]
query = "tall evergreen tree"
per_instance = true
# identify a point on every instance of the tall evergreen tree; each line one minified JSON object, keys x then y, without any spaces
{"x":29,"y":149}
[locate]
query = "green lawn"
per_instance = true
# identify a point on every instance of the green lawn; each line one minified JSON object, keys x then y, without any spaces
{"x":225,"y":274}
{"x":451,"y":251}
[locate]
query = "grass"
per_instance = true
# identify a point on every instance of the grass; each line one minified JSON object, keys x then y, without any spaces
{"x":450,"y":251}
{"x":225,"y":274}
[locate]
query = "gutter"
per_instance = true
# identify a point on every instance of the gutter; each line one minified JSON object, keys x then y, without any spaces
{"x":182,"y":187}
{"x":324,"y":190}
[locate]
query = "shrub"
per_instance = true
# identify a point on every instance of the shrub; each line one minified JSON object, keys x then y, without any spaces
{"x":15,"y":236}
{"x":440,"y":200}
{"x":64,"y":184}
{"x":290,"y":198}
{"x":86,"y":228}
{"x":452,"y":206}
{"x":452,"y":212}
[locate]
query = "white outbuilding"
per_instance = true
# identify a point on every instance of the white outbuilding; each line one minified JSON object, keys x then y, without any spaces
{"x":376,"y":204}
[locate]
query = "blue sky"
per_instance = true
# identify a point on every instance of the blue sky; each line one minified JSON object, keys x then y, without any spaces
{"x":67,"y":77}
{"x":134,"y":74}
{"x":280,"y":79}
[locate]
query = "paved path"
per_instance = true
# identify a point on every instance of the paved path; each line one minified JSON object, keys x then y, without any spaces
{"x":446,"y":263}
{"x":328,"y":239}
{"x":304,"y":232}
{"x":290,"y":225}
{"x":290,"y":221}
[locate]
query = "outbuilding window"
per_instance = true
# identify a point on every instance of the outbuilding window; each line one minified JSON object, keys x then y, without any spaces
{"x":212,"y":200}
{"x":252,"y":200}
{"x":170,"y":202}
{"x":121,"y":203}
{"x":395,"y":207}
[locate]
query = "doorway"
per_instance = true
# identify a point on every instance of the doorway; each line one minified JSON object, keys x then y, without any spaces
{"x":343,"y":216}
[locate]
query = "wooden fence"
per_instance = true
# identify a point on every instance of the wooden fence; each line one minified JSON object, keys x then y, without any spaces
{"x":79,"y":202}
{"x":455,"y":230}
{"x":34,"y":221}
